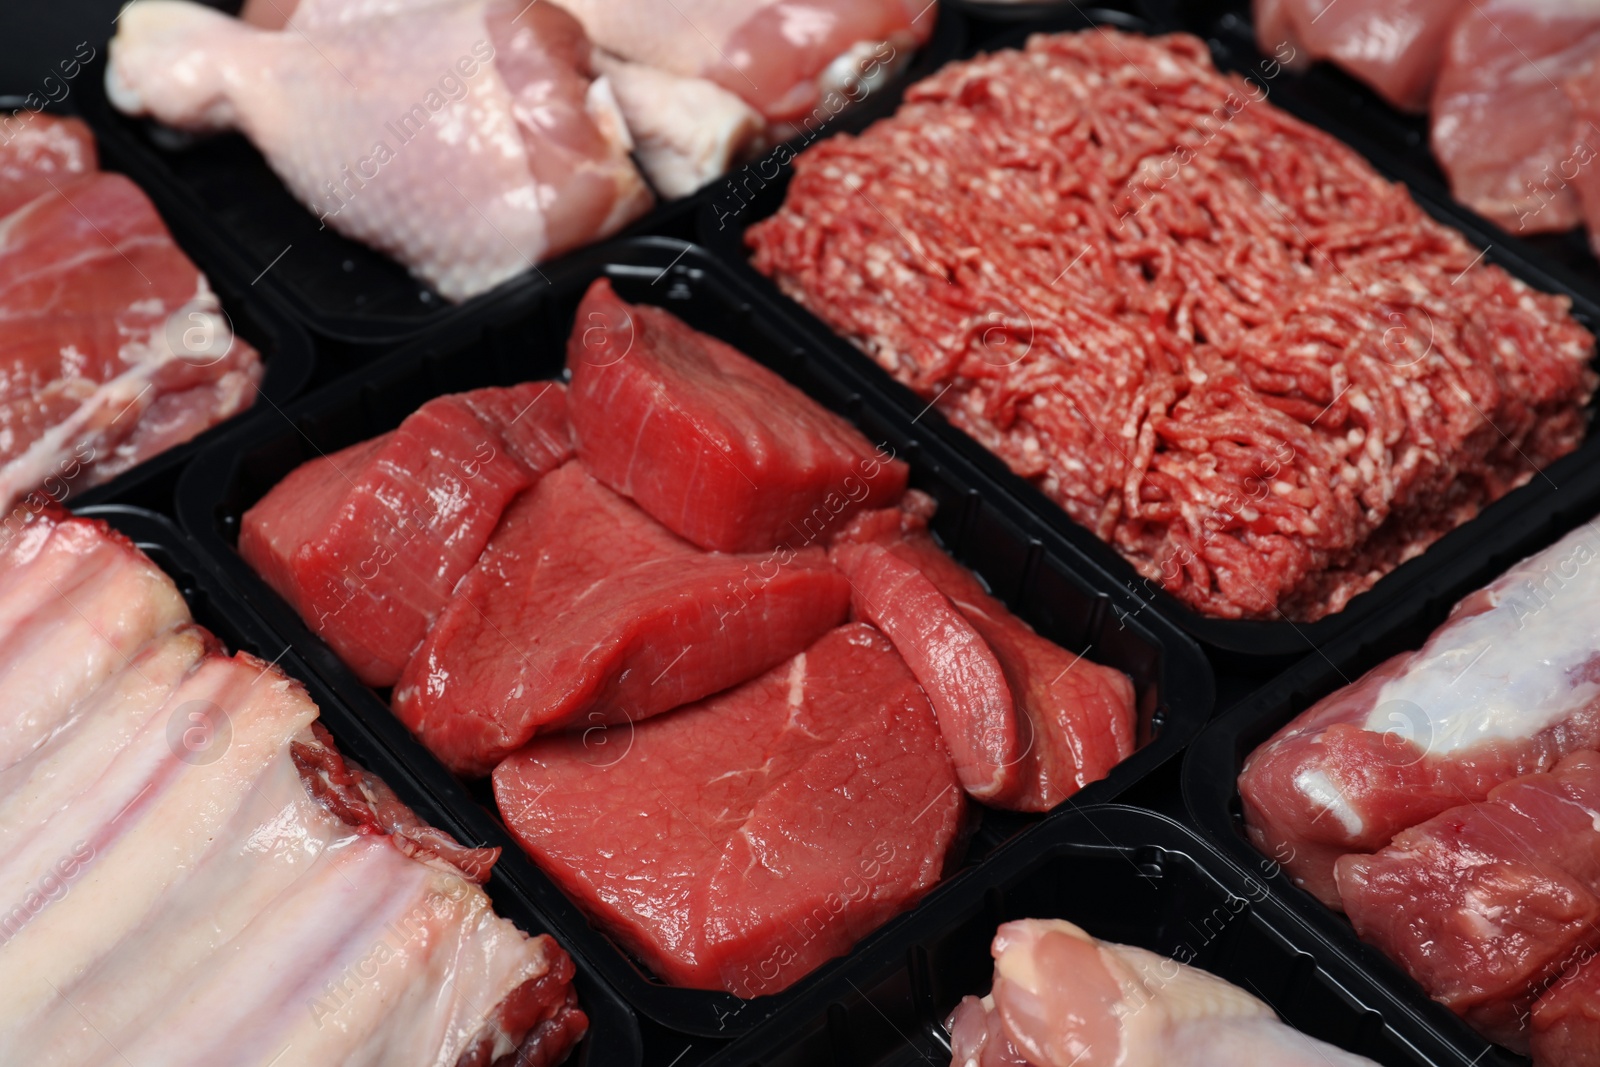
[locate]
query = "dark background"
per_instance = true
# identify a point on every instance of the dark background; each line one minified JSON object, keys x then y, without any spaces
{"x":36,"y":35}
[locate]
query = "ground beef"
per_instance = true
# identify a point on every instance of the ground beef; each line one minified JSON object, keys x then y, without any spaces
{"x":1211,"y":333}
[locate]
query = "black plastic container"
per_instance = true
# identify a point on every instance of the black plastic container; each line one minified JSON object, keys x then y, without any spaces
{"x":613,"y":1039}
{"x":1043,"y":579}
{"x":286,"y":351}
{"x":1211,"y":767}
{"x":341,"y":289}
{"x":1248,"y":645}
{"x":1124,"y":875}
{"x":1365,"y":119}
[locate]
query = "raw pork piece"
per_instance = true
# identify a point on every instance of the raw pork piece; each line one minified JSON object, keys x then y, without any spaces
{"x":186,"y":782}
{"x":89,"y":604}
{"x":1566,"y":1019}
{"x":741,"y":842}
{"x":1507,"y":686}
{"x":1219,"y":340}
{"x":1503,"y":129}
{"x":584,"y":610}
{"x":1485,"y":903}
{"x":114,"y":348}
{"x":955,"y":667}
{"x":1076,"y":719}
{"x":1064,"y":999}
{"x":40,"y":153}
{"x":782,"y":56}
{"x":716,"y":447}
{"x":1395,"y":46}
{"x":1582,"y":169}
{"x":467,"y":140}
{"x":368,"y":543}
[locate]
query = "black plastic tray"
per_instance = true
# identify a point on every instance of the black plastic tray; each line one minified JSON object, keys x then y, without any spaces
{"x":340,"y":288}
{"x":286,"y":354}
{"x":613,"y":1039}
{"x":1247,"y":644}
{"x":521,"y":339}
{"x":1211,"y":767}
{"x":1362,"y":117}
{"x":1124,"y":875}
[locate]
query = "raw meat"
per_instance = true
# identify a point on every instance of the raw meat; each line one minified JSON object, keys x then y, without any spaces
{"x":740,"y":842}
{"x":782,"y":56}
{"x":714,"y":446}
{"x":42,"y":152}
{"x":1582,"y":169}
{"x":584,"y":610}
{"x":184,"y":782}
{"x":686,"y":131}
{"x":956,"y":669}
{"x":1395,"y":46}
{"x":367,"y":544}
{"x":1507,"y":686}
{"x":1062,"y":998}
{"x":467,"y":140}
{"x":1503,"y":129}
{"x":1485,"y":904}
{"x":1217,"y":337}
{"x":1566,"y":1019}
{"x":1076,"y":719}
{"x":114,"y":347}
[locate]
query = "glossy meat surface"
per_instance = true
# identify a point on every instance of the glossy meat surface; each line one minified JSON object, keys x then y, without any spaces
{"x":584,"y":611}
{"x":114,"y":347}
{"x":1395,"y":46}
{"x":719,"y":449}
{"x":470,"y":141}
{"x":1503,"y":128}
{"x":368,"y":544}
{"x":779,"y":55}
{"x":160,"y":779}
{"x":1485,"y":903}
{"x":1075,"y":719}
{"x":739,"y":842}
{"x":1507,"y":686}
{"x":1062,"y":998}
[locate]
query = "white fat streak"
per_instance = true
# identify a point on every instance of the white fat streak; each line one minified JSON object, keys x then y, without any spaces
{"x":1321,"y":791}
{"x":1508,"y":672}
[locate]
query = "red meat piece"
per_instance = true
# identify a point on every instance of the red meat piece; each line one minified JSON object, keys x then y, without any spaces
{"x":1485,"y":903}
{"x":1073,"y":720}
{"x":40,"y":152}
{"x":715,"y":446}
{"x":740,"y":842}
{"x":369,"y":543}
{"x":1566,"y":1019}
{"x":583,"y":609}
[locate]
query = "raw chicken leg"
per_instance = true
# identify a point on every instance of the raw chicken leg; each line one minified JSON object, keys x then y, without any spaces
{"x":1063,"y":999}
{"x":468,"y":140}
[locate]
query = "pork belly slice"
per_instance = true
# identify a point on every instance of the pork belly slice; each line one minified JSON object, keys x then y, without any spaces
{"x":1507,"y":686}
{"x":714,"y":446}
{"x":585,"y":611}
{"x":1485,"y":903}
{"x":368,"y":543}
{"x":740,"y":842}
{"x":1050,"y":724}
